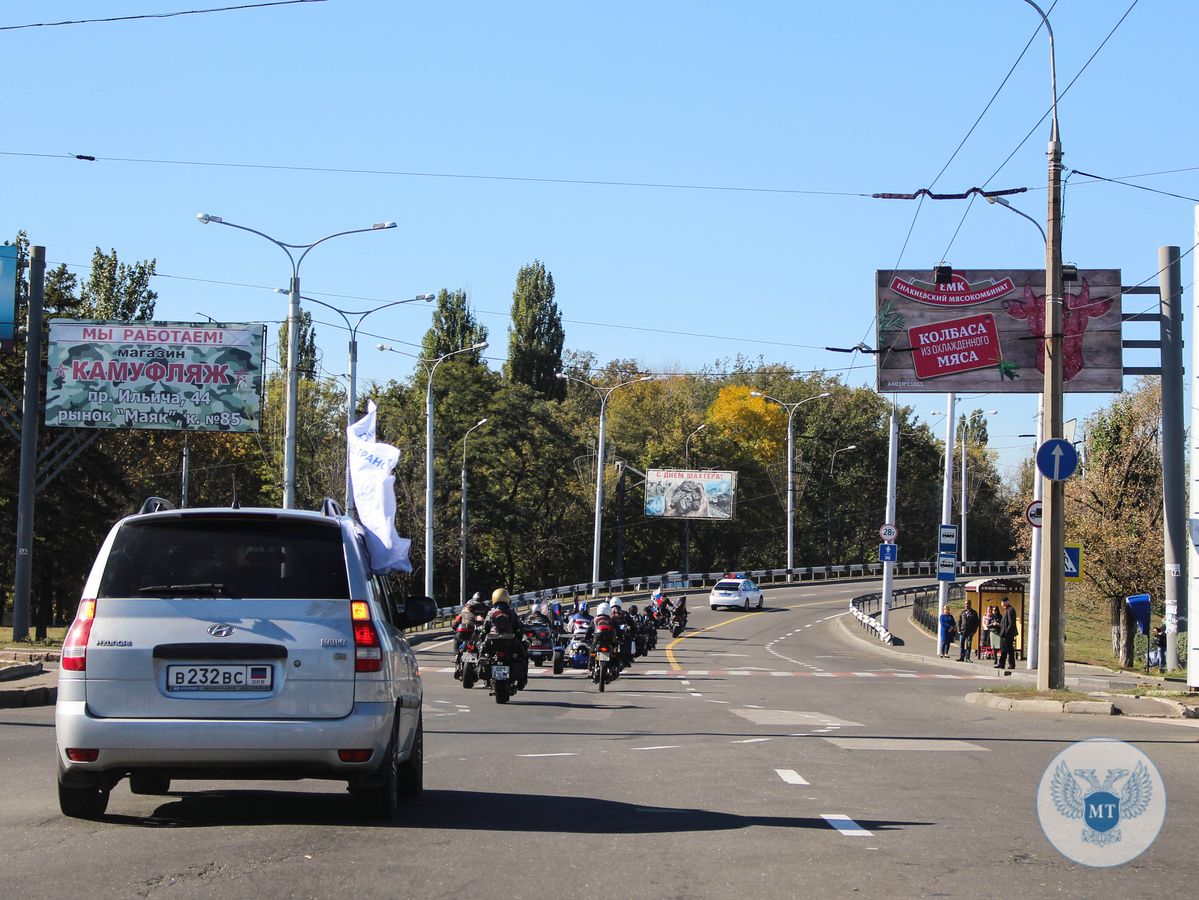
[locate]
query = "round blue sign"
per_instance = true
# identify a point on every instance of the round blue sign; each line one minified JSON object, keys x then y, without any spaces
{"x":1057,"y":459}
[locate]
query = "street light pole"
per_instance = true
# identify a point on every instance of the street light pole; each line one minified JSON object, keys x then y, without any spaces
{"x":462,"y":553}
{"x":687,"y":522}
{"x":791,"y":408}
{"x":293,"y":318}
{"x":831,"y":461}
{"x":604,"y":394}
{"x":352,"y":395}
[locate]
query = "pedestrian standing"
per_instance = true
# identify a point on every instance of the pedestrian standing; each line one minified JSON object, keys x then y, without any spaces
{"x":1008,"y":631}
{"x":1159,"y":638}
{"x":967,"y":626}
{"x":948,"y":629}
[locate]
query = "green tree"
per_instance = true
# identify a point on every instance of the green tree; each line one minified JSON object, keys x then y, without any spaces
{"x":1115,"y":508}
{"x":306,"y":360}
{"x":454,"y":327}
{"x":535,"y":336}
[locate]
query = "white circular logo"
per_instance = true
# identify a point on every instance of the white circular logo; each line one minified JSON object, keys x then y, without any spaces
{"x":1101,"y":802}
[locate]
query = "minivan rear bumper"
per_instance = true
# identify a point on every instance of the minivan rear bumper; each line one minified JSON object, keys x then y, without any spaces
{"x":199,"y":748}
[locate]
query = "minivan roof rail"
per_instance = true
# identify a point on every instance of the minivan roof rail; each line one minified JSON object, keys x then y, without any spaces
{"x":332,"y":508}
{"x":155,"y":504}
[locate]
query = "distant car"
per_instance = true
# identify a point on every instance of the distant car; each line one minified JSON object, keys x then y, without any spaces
{"x":238,"y":643}
{"x":735,"y":592}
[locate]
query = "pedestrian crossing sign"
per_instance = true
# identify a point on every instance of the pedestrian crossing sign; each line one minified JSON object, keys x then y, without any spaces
{"x":1073,"y":562}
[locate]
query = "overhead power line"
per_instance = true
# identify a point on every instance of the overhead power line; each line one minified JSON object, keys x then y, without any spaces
{"x":169,"y":15}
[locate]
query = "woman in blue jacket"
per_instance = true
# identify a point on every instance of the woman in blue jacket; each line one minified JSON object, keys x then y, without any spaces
{"x":948,"y":629}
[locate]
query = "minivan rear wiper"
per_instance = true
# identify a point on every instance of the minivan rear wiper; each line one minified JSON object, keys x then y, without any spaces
{"x":207,"y":587}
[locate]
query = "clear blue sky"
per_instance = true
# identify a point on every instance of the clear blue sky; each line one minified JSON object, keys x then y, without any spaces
{"x":299,"y":120}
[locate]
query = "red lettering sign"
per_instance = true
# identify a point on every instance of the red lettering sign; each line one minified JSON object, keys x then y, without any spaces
{"x":955,"y":345}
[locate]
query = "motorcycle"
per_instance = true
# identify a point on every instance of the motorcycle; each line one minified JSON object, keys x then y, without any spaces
{"x":497,"y":662}
{"x":678,"y":622}
{"x":577,"y":652}
{"x":466,"y":665}
{"x":641,"y":638}
{"x":540,"y":638}
{"x":605,"y":665}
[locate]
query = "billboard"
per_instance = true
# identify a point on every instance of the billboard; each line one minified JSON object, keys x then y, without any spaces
{"x":8,"y":296}
{"x":172,"y":376}
{"x":985,"y":331}
{"x":683,"y":494}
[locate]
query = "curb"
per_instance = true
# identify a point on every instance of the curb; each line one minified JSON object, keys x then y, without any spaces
{"x":21,"y":697}
{"x":1076,"y":707}
{"x":24,"y":670}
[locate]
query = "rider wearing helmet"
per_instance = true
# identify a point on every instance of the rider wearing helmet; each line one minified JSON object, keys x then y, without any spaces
{"x":502,"y":622}
{"x":622,"y":624}
{"x":464,"y":623}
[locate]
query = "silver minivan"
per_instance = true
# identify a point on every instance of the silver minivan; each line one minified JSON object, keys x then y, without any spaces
{"x":238,"y":643}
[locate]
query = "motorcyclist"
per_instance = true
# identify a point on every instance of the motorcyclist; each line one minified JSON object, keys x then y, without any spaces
{"x":581,"y":621}
{"x":603,"y":627}
{"x":464,"y":623}
{"x":502,"y":622}
{"x":680,"y":611}
{"x":623,"y":628}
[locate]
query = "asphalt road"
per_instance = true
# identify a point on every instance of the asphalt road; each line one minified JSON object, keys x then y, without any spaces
{"x":768,"y":754}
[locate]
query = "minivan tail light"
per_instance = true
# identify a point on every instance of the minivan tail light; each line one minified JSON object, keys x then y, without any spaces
{"x":368,"y":655}
{"x":74,"y":646}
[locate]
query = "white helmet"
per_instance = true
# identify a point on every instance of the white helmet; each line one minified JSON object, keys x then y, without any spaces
{"x":616,"y":603}
{"x":603,"y":610}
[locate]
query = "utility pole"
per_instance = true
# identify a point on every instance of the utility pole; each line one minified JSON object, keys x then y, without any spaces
{"x":1173,"y":438}
{"x":23,"y":570}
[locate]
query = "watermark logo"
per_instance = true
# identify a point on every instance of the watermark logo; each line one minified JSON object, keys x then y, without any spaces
{"x":1101,"y":802}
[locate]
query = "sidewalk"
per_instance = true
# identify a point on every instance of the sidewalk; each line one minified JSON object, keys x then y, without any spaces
{"x":918,"y":646}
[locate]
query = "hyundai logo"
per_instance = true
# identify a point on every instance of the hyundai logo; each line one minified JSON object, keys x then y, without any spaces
{"x":221,"y":630}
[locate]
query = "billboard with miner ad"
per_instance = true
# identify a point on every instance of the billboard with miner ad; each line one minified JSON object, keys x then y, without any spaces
{"x":687,"y":494}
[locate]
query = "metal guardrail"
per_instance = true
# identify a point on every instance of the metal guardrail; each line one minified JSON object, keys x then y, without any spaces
{"x":676,"y":581}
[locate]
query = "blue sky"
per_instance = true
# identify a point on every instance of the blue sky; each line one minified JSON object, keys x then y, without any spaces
{"x":299,"y":121}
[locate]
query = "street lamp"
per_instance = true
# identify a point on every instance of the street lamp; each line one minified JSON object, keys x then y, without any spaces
{"x":965,"y":432}
{"x":462,"y":552}
{"x":431,"y":365}
{"x":830,"y":496}
{"x":293,"y":317}
{"x":352,"y":395}
{"x":687,"y":522}
{"x":604,"y":394}
{"x":791,"y":408}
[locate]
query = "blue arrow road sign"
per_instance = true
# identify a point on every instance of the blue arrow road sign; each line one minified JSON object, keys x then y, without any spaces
{"x":1057,"y":459}
{"x":888,"y":553}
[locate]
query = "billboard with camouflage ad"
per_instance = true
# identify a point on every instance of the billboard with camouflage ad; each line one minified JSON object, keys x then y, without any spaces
{"x":985,"y":331}
{"x":682,"y":494}
{"x":174,"y":376}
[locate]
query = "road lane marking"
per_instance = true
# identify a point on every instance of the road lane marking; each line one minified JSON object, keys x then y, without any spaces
{"x":674,"y":663}
{"x":542,"y":755}
{"x":660,"y":747}
{"x":921,"y":745}
{"x":845,"y":825}
{"x":791,"y":776}
{"x":751,"y":741}
{"x":422,"y":649}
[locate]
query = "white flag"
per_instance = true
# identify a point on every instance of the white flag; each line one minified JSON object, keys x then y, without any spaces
{"x":371,"y":465}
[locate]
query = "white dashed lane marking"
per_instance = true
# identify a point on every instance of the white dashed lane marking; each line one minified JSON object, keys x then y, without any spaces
{"x":660,"y":747}
{"x":790,"y":776}
{"x":542,"y":755}
{"x":845,"y":825}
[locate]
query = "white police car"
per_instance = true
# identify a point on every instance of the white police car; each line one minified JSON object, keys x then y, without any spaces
{"x":735,"y":591}
{"x":229,"y":643}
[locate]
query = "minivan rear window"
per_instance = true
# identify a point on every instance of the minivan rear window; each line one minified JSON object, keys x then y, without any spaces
{"x":184,"y":556}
